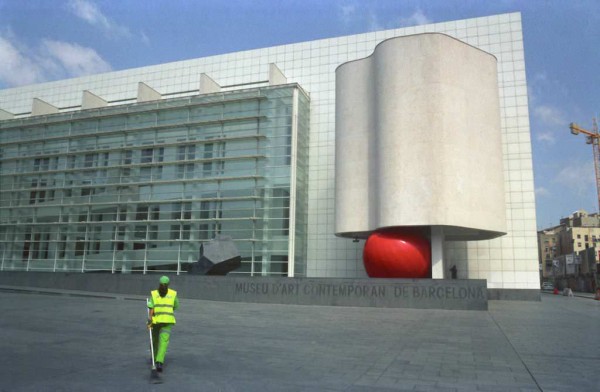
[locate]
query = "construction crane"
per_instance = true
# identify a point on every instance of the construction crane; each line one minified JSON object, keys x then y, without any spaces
{"x":592,"y":138}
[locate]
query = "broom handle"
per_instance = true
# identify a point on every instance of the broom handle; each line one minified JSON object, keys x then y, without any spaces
{"x":151,"y":343}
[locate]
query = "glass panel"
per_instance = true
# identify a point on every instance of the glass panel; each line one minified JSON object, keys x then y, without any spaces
{"x":97,"y":197}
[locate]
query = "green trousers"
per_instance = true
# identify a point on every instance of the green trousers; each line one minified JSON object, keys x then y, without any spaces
{"x":160,"y":339}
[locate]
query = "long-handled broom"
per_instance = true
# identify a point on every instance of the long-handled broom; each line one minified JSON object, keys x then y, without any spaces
{"x":154,"y":378}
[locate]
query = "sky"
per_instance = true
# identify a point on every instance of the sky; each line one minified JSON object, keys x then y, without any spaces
{"x":45,"y":40}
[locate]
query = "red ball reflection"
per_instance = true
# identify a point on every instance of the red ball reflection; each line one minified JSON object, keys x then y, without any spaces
{"x":397,"y":253}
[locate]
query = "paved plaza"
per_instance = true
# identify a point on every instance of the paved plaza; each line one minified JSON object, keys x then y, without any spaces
{"x":80,"y":342}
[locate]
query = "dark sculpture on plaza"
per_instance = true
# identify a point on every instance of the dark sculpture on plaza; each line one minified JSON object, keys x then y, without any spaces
{"x":217,"y":257}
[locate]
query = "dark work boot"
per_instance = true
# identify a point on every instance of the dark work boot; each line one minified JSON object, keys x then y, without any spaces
{"x":159,"y":366}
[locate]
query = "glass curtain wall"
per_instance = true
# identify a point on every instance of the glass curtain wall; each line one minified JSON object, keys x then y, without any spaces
{"x":138,"y":188}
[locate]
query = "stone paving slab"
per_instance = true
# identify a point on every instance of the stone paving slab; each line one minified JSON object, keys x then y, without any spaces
{"x":70,"y":342}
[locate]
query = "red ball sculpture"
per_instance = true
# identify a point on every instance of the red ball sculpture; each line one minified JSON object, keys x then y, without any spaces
{"x":397,"y":253}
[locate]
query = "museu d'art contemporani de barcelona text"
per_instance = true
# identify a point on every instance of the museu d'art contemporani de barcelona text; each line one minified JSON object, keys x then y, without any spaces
{"x":402,"y":153}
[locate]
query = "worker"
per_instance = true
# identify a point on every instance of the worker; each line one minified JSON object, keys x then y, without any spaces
{"x":162,"y":304}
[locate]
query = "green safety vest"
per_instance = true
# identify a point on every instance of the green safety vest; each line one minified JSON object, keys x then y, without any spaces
{"x":163,"y":307}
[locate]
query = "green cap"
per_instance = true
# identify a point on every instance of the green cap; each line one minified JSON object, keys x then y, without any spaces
{"x":164,"y":280}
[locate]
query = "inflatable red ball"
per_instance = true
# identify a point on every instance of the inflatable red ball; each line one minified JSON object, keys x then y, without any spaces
{"x":397,"y":253}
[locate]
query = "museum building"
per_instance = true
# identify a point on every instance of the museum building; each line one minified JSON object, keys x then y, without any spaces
{"x":130,"y":171}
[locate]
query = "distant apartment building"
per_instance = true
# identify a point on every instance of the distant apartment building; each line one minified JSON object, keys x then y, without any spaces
{"x":581,"y":231}
{"x":570,"y":250}
{"x":548,"y":249}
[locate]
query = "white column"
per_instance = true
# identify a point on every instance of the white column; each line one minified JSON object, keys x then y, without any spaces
{"x":437,"y":252}
{"x":293,"y":175}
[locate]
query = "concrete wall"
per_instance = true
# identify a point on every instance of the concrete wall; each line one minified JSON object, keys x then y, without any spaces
{"x":418,"y":140}
{"x":381,"y":293}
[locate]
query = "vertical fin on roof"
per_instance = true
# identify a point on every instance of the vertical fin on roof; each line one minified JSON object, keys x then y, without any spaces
{"x":4,"y":115}
{"x":147,"y":93}
{"x":40,"y":108}
{"x":91,"y":101}
{"x":276,"y":77}
{"x":208,"y":85}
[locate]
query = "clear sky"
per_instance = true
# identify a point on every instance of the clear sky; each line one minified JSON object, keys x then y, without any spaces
{"x":43,"y":40}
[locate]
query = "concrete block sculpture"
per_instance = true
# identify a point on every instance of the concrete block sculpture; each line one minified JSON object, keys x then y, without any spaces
{"x":217,"y":257}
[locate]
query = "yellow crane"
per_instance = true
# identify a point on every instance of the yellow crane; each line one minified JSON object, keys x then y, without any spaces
{"x":592,"y":138}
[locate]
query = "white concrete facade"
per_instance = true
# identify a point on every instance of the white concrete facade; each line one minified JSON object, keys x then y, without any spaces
{"x":506,"y":262}
{"x":418,"y":140}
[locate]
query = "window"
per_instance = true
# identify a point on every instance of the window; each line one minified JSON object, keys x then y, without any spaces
{"x":38,"y":192}
{"x":26,"y":246}
{"x":185,"y":232}
{"x":79,"y":247}
{"x":157,"y":172}
{"x":90,"y":160}
{"x":186,"y":153}
{"x":185,"y":170}
{"x":141,"y":213}
{"x":145,"y":173}
{"x":62,"y":246}
{"x":94,"y":245}
{"x":40,"y":246}
{"x":281,"y":213}
{"x":213,"y":150}
{"x":181,"y":153}
{"x":181,"y":211}
{"x":186,"y":212}
{"x":127,"y":157}
{"x":174,"y":232}
{"x":152,"y":236}
{"x":45,"y":164}
{"x":279,"y":265}
{"x":147,"y":155}
{"x":209,"y":210}
{"x":68,"y":191}
{"x":119,"y":245}
{"x":176,"y":211}
{"x":126,"y":172}
{"x":33,"y":193}
{"x":140,"y":238}
{"x":51,"y":192}
{"x":122,"y":214}
{"x":42,"y":164}
{"x":155,"y":213}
